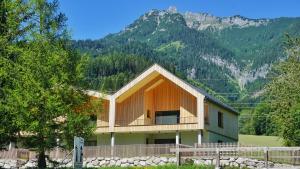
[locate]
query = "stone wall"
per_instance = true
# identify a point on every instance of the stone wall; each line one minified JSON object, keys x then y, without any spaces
{"x":142,"y":161}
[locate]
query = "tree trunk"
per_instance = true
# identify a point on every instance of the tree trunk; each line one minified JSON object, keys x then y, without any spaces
{"x":42,"y":160}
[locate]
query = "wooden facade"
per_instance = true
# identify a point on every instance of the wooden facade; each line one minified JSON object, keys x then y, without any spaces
{"x":134,"y":107}
{"x":140,"y":107}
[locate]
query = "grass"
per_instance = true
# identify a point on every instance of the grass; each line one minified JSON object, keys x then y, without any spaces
{"x":172,"y":45}
{"x":271,"y":141}
{"x":171,"y":167}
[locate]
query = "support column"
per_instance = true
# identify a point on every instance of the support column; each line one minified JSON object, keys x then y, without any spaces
{"x":112,"y":113}
{"x":112,"y":139}
{"x":112,"y":144}
{"x":11,"y":145}
{"x":199,"y":137}
{"x":177,"y":148}
{"x":177,"y":138}
{"x":200,"y":111}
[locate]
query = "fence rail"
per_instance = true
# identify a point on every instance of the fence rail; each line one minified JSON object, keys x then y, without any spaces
{"x":122,"y":151}
{"x":288,"y":155}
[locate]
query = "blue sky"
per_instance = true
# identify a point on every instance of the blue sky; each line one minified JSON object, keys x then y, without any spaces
{"x":93,"y":19}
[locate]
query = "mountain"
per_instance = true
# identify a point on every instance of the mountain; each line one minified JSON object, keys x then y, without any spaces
{"x":230,"y":55}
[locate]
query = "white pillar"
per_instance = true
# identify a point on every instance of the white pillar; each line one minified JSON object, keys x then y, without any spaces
{"x":177,"y":137}
{"x":112,"y":113}
{"x":112,"y":139}
{"x":112,"y":144}
{"x":200,"y":111}
{"x":11,"y":145}
{"x":199,"y":137}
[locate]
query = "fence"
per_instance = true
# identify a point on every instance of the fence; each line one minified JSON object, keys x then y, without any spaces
{"x":287,"y":155}
{"x":122,"y":151}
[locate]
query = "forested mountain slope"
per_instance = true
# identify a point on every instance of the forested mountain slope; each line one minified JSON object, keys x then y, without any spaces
{"x":230,"y":55}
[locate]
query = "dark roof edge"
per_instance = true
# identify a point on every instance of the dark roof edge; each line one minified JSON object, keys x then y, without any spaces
{"x":223,"y":105}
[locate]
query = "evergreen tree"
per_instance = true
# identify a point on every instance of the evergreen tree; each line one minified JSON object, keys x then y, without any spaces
{"x":41,"y":101}
{"x":14,"y":17}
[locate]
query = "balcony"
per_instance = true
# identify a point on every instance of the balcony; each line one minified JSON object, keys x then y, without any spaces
{"x":152,"y":125}
{"x":157,"y":121}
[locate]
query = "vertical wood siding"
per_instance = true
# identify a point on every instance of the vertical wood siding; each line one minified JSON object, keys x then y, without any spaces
{"x":102,"y":118}
{"x":165,"y":96}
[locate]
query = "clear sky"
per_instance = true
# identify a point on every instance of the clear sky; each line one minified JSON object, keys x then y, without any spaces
{"x":93,"y":19}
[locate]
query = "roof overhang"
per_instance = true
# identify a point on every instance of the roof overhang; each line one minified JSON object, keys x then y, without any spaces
{"x":149,"y":75}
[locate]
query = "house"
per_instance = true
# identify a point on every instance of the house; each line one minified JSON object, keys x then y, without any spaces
{"x":159,"y":108}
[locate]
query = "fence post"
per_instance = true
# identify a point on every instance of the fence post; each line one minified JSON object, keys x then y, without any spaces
{"x":195,"y":152}
{"x":177,"y":155}
{"x":266,"y":154}
{"x":294,"y":156}
{"x":217,"y":158}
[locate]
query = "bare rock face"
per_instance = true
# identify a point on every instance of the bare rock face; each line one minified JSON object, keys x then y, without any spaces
{"x":172,"y":9}
{"x":202,"y":21}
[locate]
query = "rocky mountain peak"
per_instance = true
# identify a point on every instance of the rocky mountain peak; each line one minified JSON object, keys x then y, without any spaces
{"x":202,"y":21}
{"x":172,"y":9}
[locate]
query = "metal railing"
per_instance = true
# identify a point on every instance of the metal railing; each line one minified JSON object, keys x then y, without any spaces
{"x":165,"y":121}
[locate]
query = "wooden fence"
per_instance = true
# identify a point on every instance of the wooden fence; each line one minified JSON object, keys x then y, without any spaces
{"x":121,"y":151}
{"x":129,"y":150}
{"x":287,"y":155}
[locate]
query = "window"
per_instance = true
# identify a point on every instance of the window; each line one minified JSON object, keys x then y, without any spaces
{"x":148,"y":114}
{"x":206,"y":113}
{"x":220,"y":119}
{"x":167,"y":117}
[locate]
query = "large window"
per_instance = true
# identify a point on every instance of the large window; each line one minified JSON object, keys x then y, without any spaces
{"x":167,"y":117}
{"x":220,"y":119}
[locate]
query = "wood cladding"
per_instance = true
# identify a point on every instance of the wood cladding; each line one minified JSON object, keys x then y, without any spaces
{"x":102,"y":118}
{"x":164,"y":96}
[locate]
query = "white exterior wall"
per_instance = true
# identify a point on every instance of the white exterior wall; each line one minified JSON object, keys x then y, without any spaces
{"x":214,"y":138}
{"x":189,"y":138}
{"x":103,"y":139}
{"x":128,"y":138}
{"x":230,"y":124}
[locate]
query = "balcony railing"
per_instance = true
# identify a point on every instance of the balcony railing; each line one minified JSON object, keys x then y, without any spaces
{"x":161,"y":121}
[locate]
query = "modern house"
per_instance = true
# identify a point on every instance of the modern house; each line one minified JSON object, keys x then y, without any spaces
{"x":159,"y":108}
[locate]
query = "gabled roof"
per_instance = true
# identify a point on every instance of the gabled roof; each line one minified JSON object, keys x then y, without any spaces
{"x":156,"y":70}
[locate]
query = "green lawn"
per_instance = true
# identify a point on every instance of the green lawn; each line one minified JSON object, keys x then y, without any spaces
{"x":171,"y":167}
{"x":254,"y":140}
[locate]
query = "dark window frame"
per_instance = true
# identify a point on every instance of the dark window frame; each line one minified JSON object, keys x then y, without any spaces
{"x":220,"y":119}
{"x":167,"y":113}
